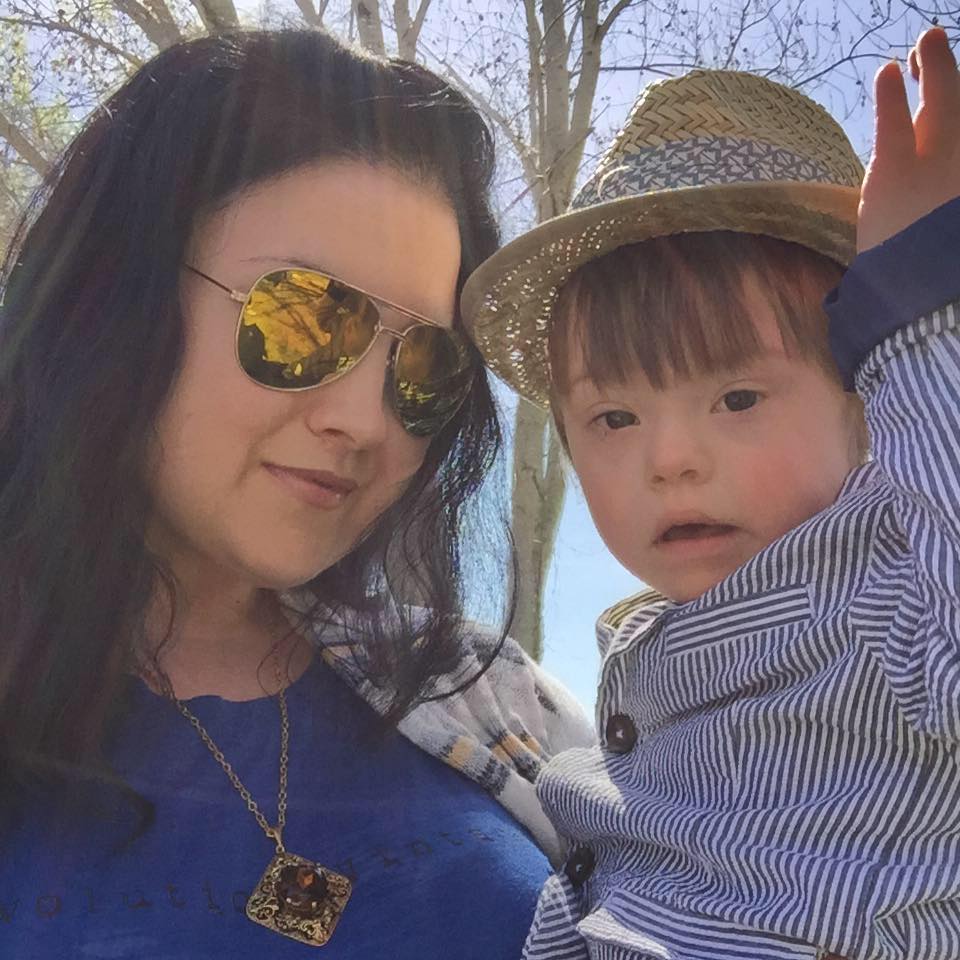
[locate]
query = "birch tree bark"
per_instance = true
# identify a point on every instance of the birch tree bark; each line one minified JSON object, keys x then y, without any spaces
{"x":366,"y":14}
{"x":561,"y":109}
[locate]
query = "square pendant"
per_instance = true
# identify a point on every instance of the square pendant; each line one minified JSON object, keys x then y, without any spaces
{"x":299,"y":899}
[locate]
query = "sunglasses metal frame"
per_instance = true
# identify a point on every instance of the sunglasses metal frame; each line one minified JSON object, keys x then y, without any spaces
{"x":399,"y":336}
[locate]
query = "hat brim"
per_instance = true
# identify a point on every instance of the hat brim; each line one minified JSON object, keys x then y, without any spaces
{"x":508,"y":300}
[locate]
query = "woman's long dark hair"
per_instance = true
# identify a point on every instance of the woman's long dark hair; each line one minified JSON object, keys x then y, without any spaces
{"x":90,"y":342}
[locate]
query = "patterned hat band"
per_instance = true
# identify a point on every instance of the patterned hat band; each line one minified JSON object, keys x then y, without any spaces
{"x":698,"y":162}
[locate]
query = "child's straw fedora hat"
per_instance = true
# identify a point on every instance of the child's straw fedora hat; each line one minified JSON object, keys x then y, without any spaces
{"x":712,"y":150}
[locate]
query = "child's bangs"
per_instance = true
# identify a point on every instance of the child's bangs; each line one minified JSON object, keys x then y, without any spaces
{"x":678,"y":306}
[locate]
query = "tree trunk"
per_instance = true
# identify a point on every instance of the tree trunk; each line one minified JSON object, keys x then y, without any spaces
{"x":217,"y":15}
{"x":559,"y":128}
{"x":556,"y":120}
{"x":23,"y":145}
{"x":155,"y":20}
{"x":538,"y":480}
{"x":408,"y":27}
{"x":538,"y":493}
{"x":369,"y":25}
{"x":312,"y":17}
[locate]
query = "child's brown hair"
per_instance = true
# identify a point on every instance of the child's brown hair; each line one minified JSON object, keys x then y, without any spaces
{"x":679,"y":305}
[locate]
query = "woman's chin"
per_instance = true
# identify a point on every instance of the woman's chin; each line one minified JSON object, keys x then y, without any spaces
{"x":290,"y":572}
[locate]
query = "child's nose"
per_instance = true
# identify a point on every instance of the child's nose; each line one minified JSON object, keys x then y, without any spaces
{"x":677,"y":455}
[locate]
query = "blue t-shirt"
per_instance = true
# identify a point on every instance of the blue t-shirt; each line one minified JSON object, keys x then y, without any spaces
{"x":439,"y":869}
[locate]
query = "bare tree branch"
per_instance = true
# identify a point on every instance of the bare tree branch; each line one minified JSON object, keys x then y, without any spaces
{"x":498,"y":117}
{"x":163,"y":14}
{"x":23,"y":145}
{"x":611,"y":17}
{"x":408,"y":29}
{"x":311,"y":17}
{"x":839,"y":62}
{"x":743,"y":27}
{"x":572,"y":32}
{"x":61,"y":26}
{"x":591,"y":45}
{"x":160,"y":32}
{"x":556,"y":116}
{"x":217,"y":15}
{"x":535,"y":92}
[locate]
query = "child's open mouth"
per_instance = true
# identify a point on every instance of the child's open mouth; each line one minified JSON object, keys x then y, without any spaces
{"x":695,"y":531}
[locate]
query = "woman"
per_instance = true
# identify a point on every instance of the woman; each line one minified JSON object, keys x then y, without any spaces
{"x":193,"y":503}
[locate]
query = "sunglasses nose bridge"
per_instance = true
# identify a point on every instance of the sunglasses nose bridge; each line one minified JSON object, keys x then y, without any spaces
{"x":399,"y":335}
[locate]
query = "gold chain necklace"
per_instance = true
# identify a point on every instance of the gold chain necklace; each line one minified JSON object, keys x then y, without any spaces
{"x":295,"y":897}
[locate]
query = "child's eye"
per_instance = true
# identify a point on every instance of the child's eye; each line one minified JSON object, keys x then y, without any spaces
{"x":617,"y":419}
{"x":737,"y":400}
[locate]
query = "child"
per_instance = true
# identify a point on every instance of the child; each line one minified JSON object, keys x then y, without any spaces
{"x":780,"y":716}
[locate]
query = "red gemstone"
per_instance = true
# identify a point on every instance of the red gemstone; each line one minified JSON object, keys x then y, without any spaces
{"x":301,"y":890}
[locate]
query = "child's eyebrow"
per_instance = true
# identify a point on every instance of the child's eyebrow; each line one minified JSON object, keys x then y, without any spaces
{"x":585,"y":384}
{"x":757,"y":360}
{"x":579,"y":382}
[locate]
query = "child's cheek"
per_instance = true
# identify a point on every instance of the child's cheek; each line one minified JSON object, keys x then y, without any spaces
{"x":786,"y":487}
{"x":617,"y":519}
{"x":616,"y":501}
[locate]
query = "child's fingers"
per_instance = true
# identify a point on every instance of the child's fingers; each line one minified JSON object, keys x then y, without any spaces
{"x":939,"y":85}
{"x":894,"y":139}
{"x":914,"y":64}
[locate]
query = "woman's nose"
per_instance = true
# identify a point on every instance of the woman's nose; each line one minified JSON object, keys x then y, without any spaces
{"x":355,"y":406}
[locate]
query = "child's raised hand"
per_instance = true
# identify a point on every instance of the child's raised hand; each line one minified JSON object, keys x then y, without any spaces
{"x":916,"y":162}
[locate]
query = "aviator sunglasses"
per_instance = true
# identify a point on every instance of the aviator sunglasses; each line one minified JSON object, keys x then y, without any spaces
{"x":301,"y":328}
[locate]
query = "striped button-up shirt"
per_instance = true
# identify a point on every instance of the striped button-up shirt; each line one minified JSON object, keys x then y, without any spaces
{"x":779,"y":776}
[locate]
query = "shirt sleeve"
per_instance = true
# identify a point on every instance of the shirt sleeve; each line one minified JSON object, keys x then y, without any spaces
{"x":895,"y":330}
{"x":910,"y":275}
{"x":553,"y":933}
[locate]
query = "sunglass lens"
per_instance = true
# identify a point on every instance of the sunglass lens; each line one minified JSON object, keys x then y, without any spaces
{"x":432,"y":377}
{"x":300,"y":328}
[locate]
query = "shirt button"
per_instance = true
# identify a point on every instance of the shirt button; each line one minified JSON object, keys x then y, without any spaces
{"x":579,"y":866}
{"x":620,"y":734}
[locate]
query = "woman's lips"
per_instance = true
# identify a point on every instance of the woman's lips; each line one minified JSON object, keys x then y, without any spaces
{"x":319,"y":488}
